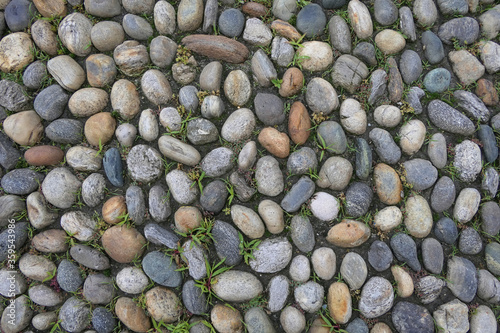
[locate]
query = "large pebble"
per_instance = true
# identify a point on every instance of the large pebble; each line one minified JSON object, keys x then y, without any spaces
{"x":354,"y":270}
{"x":377,"y":297}
{"x":247,"y":221}
{"x":74,"y":32}
{"x":237,"y":286}
{"x":335,"y":174}
{"x":23,"y":55}
{"x":408,"y":317}
{"x":360,"y":18}
{"x":348,"y":234}
{"x":272,"y":256}
{"x":466,"y":205}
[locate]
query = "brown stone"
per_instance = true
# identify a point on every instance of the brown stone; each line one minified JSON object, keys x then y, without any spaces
{"x":319,"y":326}
{"x":395,"y":86}
{"x":44,"y":37}
{"x":44,"y":155}
{"x":293,"y":81}
{"x":387,"y":184}
{"x":101,"y":70}
{"x":217,"y":47}
{"x":381,"y":328}
{"x":123,"y":244}
{"x":254,"y":9}
{"x":52,"y":240}
{"x":163,"y":305}
{"x":125,"y":99}
{"x":226,"y":319}
{"x":187,"y":218}
{"x":131,"y":57}
{"x":403,"y":280}
{"x":487,"y":92}
{"x":50,"y":8}
{"x":275,"y":142}
{"x":24,"y":128}
{"x":113,"y":208}
{"x":348,"y":233}
{"x":16,"y":52}
{"x":286,"y":30}
{"x":299,"y":123}
{"x":99,"y":128}
{"x":132,"y":315}
{"x":339,"y":302}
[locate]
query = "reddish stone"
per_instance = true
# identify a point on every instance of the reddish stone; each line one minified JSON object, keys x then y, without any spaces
{"x":286,"y":30}
{"x":44,"y":155}
{"x":275,"y":142}
{"x":217,"y":47}
{"x":487,"y":92}
{"x":293,"y":81}
{"x":299,"y":123}
{"x":254,"y":9}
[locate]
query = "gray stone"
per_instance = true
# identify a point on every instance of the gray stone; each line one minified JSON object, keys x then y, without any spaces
{"x":164,"y":18}
{"x":160,"y":236}
{"x":18,"y":14}
{"x":284,"y":9}
{"x":429,"y":288}
{"x":490,"y":223}
{"x":489,"y":21}
{"x":377,"y":297}
{"x":386,"y":148}
{"x":136,"y":205}
{"x":449,"y":119}
{"x":21,"y":181}
{"x":321,"y":97}
{"x":470,"y":242}
{"x":103,"y":8}
{"x":13,"y":96}
{"x":462,"y":277}
{"x":432,"y":255}
{"x":450,"y":7}
{"x":12,"y":283}
{"x":437,"y":150}
{"x":257,"y":33}
{"x":483,"y":321}
{"x":162,"y":50}
{"x":272,"y":256}
{"x":178,"y":150}
{"x":413,"y":98}
{"x":467,"y":160}
{"x":488,"y":287}
{"x":34,"y":75}
{"x":410,"y":65}
{"x":162,"y":269}
{"x":489,"y":56}
{"x":93,"y":189}
{"x":278,"y":288}
{"x":263,"y":69}
{"x":188,"y":97}
{"x":446,"y":230}
{"x":452,"y":316}
{"x":257,"y":320}
{"x":98,"y":289}
{"x":65,"y":131}
{"x":302,"y":233}
{"x":238,"y":126}
{"x":89,"y":257}
{"x":378,"y":81}
{"x":363,"y":159}
{"x":144,"y":163}
{"x":227,"y":242}
{"x":282,"y":52}
{"x":366,"y":53}
{"x":492,"y":254}
{"x":358,"y":198}
{"x":354,"y":270}
{"x":237,"y":286}
{"x":406,"y":23}
{"x":60,"y":187}
{"x":408,"y":317}
{"x":269,"y":177}
{"x":311,"y":20}
{"x":8,"y":154}
{"x":202,"y":131}
{"x":490,"y":181}
{"x":433,"y":47}
{"x":217,"y":162}
{"x":348,"y":72}
{"x":405,"y":250}
{"x":20,"y":235}
{"x":472,"y":105}
{"x":302,"y":161}
{"x":45,"y":296}
{"x":107,"y":35}
{"x":269,"y":109}
{"x":194,"y":256}
{"x":103,"y":320}
{"x":385,"y":12}
{"x":243,"y":191}
{"x":74,"y":315}
{"x":159,"y":204}
{"x":420,"y":173}
{"x":69,"y":276}
{"x":10,"y":206}
{"x":340,"y":34}
{"x":137,"y":27}
{"x":193,"y":298}
{"x":357,"y":326}
{"x":214,"y":196}
{"x":488,"y":139}
{"x":332,"y":137}
{"x":443,"y":194}
{"x":210,"y":15}
{"x":17,"y":315}
{"x":465,"y":30}
{"x":300,"y":192}
{"x":180,"y":187}
{"x":380,"y":256}
{"x":310,"y":296}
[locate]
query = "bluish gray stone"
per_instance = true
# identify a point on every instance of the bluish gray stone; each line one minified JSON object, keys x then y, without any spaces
{"x":158,"y":235}
{"x":411,"y":318}
{"x":302,"y":161}
{"x":18,"y":14}
{"x":231,"y":22}
{"x":194,"y":299}
{"x":432,"y":255}
{"x":333,"y":4}
{"x":465,"y":30}
{"x":137,"y":27}
{"x":340,"y":34}
{"x":472,"y":105}
{"x":378,"y":81}
{"x":385,"y":12}
{"x":410,"y":65}
{"x":333,"y":136}
{"x":214,"y":196}
{"x":450,"y":7}
{"x":269,"y":109}
{"x":159,"y":204}
{"x":443,"y":194}
{"x":429,"y":288}
{"x":243,"y":191}
{"x":357,"y":326}
{"x":20,"y":236}
{"x":21,"y":181}
{"x":407,"y":24}
{"x":363,"y":159}
{"x":387,"y":150}
{"x":446,"y":230}
{"x":217,"y":162}
{"x":89,"y":257}
{"x":358,"y":199}
{"x":437,"y":80}
{"x":300,"y":192}
{"x":380,"y":256}
{"x":162,"y":269}
{"x":433,"y":47}
{"x":492,"y":254}
{"x":226,"y":241}
{"x":74,"y":315}
{"x":488,"y":139}
{"x":490,"y":221}
{"x":65,"y":131}
{"x":413,"y":98}
{"x":13,"y":96}
{"x":34,"y":75}
{"x":136,"y":204}
{"x":8,"y":154}
{"x":103,"y":320}
{"x":311,"y":20}
{"x":302,"y":233}
{"x":462,"y":277}
{"x":262,"y":67}
{"x":420,"y":173}
{"x":50,"y":102}
{"x":69,"y":276}
{"x":449,"y":119}
{"x":365,"y":52}
{"x":113,"y":168}
{"x":405,"y":250}
{"x":188,"y":97}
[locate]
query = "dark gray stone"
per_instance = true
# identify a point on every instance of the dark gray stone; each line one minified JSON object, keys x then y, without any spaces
{"x":193,"y":298}
{"x":463,"y":29}
{"x":18,"y":14}
{"x":162,"y":269}
{"x":380,"y":256}
{"x":411,"y":318}
{"x":34,"y":75}
{"x":432,"y":255}
{"x":103,"y":320}
{"x":488,"y":139}
{"x":340,"y":34}
{"x":410,"y":65}
{"x":159,"y":204}
{"x":385,"y":12}
{"x":333,"y":4}
{"x":13,"y":96}
{"x":363,"y":159}
{"x":20,"y":237}
{"x":433,"y":47}
{"x":443,"y":194}
{"x":490,"y":181}
{"x":21,"y":181}
{"x":136,"y":204}
{"x":378,"y":90}
{"x":490,"y":221}
{"x":449,"y":119}
{"x":387,"y":150}
{"x":214,"y":196}
{"x":65,"y":131}
{"x":470,"y":242}
{"x":302,"y":161}
{"x":160,"y":236}
{"x":420,"y":173}
{"x":450,"y":7}
{"x":231,"y":22}
{"x":242,"y":190}
{"x":492,"y":254}
{"x":113,"y":168}
{"x":365,"y":52}
{"x":462,"y":277}
{"x":226,"y":241}
{"x":446,"y":230}
{"x":357,"y":326}
{"x":358,"y":199}
{"x":472,"y":105}
{"x":269,"y":109}
{"x":217,"y":162}
{"x":89,"y":257}
{"x":300,"y":192}
{"x":311,"y":20}
{"x":69,"y":276}
{"x":202,"y":131}
{"x":302,"y":233}
{"x":405,"y":250}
